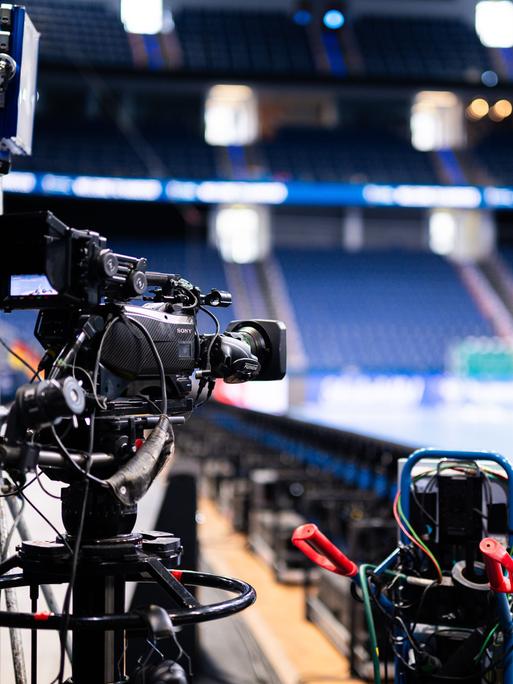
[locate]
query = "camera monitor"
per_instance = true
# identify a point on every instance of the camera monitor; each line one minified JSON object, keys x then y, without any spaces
{"x":19,"y":49}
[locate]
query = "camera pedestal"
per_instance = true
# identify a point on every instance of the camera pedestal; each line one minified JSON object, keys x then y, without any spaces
{"x":99,"y":624}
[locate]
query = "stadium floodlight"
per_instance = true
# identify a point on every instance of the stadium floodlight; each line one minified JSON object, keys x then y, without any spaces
{"x":442,"y":232}
{"x":462,"y":234}
{"x":231,"y":115}
{"x":494,"y":23}
{"x":242,"y":232}
{"x":145,"y":18}
{"x":436,"y":121}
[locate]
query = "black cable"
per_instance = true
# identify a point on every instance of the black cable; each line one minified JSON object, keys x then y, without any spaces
{"x":74,"y":368}
{"x":150,"y":401}
{"x":420,"y":506}
{"x":50,"y":524}
{"x":20,"y":359}
{"x":99,"y":353}
{"x":421,"y":603}
{"x":189,"y":294}
{"x":498,"y":663}
{"x":158,"y":359}
{"x":409,"y":635}
{"x":45,"y":490}
{"x":211,"y":385}
{"x":76,"y":553}
{"x":208,"y":369}
{"x":64,"y":451}
{"x":214,"y":337}
{"x":18,"y":490}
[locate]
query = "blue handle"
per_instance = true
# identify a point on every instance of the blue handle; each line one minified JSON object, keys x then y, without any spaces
{"x":421,"y":454}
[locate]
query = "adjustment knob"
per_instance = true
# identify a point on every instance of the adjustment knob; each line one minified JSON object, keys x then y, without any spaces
{"x":137,"y":282}
{"x":108,"y":263}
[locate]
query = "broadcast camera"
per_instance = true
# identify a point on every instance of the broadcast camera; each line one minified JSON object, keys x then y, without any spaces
{"x":128,"y":365}
{"x":117,"y":377}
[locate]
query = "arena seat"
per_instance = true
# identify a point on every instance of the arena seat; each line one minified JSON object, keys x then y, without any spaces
{"x":229,"y":40}
{"x":413,"y":47}
{"x":346,"y":155}
{"x":495,"y":152}
{"x":80,"y":33}
{"x":378,"y":311}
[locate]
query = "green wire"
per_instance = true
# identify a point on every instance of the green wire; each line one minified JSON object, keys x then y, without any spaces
{"x":414,"y":534}
{"x":483,"y":648}
{"x":374,"y":648}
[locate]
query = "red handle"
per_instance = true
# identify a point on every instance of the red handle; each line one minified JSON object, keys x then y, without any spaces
{"x":496,"y":557}
{"x":318,"y":548}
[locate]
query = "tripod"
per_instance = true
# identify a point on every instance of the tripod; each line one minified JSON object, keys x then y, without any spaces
{"x":100,"y":626}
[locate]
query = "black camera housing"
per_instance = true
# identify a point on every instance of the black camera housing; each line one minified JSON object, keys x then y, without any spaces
{"x":86,"y":286}
{"x":78,"y":266}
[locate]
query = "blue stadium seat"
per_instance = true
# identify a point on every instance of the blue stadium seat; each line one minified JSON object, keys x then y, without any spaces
{"x":412,"y":47}
{"x":378,"y":311}
{"x":251,"y":41}
{"x":99,"y":149}
{"x":303,"y":154}
{"x":346,"y":155}
{"x":495,"y":153}
{"x":80,"y":34}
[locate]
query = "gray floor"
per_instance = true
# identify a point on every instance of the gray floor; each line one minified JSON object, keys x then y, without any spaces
{"x":472,"y":427}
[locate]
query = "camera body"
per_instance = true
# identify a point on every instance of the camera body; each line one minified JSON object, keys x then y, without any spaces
{"x":128,"y":360}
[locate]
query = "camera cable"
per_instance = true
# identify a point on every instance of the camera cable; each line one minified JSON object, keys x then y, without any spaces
{"x":158,"y":359}
{"x":20,"y":359}
{"x":74,"y":567}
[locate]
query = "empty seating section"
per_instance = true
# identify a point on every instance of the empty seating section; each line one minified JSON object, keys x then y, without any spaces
{"x":80,"y":33}
{"x":102,"y":150}
{"x":263,"y":42}
{"x":378,"y":311}
{"x":237,"y":41}
{"x":183,"y":155}
{"x":351,"y":155}
{"x":89,"y":149}
{"x":405,"y":47}
{"x":496,"y":155}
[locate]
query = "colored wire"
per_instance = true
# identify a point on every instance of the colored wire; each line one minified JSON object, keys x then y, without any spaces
{"x":412,"y":535}
{"x":486,"y":642}
{"x":374,"y":649}
{"x":424,"y":546}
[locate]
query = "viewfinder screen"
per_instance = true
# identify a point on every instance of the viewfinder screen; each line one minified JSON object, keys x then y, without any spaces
{"x":31,"y":285}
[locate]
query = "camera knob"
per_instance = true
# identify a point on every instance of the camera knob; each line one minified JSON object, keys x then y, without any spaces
{"x":108,"y":263}
{"x":137,"y":282}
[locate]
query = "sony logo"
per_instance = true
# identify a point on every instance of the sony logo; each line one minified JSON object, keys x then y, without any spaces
{"x":188,"y":331}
